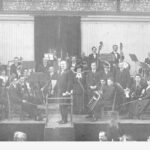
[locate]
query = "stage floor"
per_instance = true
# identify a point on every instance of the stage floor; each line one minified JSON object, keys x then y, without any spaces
{"x":77,"y":119}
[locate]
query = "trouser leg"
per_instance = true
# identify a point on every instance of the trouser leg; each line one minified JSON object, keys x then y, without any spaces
{"x":65,"y":113}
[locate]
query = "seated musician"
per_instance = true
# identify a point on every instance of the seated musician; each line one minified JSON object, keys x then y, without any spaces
{"x":122,"y":76}
{"x":135,"y":92}
{"x":3,"y":95}
{"x":98,"y":99}
{"x":28,"y":101}
{"x":44,"y":66}
{"x":110,"y":95}
{"x":107,"y":73}
{"x":49,"y":86}
{"x":140,"y":104}
{"x":72,"y":62}
{"x":136,"y":87}
{"x":92,"y":80}
{"x":114,"y":94}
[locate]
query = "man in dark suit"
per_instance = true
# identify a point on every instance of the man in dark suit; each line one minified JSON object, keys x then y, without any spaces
{"x":14,"y":67}
{"x":106,"y":73}
{"x":92,"y":80}
{"x":93,"y":56}
{"x":62,"y":87}
{"x":44,"y":66}
{"x":136,"y":89}
{"x":122,"y":76}
{"x":116,"y":54}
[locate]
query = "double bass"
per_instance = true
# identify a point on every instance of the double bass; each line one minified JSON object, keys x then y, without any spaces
{"x":99,"y":49}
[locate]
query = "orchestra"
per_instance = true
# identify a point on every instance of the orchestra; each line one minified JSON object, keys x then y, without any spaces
{"x":94,"y":81}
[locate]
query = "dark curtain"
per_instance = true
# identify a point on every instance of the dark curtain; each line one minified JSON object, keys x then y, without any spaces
{"x":59,"y":33}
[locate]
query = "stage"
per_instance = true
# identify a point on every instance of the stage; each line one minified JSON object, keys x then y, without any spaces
{"x":82,"y":129}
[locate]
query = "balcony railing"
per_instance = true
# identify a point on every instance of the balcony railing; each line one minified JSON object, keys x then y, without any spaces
{"x":76,"y":5}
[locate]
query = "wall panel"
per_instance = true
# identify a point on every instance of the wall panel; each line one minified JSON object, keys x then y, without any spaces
{"x":16,"y":39}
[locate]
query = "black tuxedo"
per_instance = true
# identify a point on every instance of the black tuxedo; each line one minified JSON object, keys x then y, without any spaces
{"x":123,"y":77}
{"x":105,"y":76}
{"x":62,"y":86}
{"x":91,"y":59}
{"x":117,"y":57}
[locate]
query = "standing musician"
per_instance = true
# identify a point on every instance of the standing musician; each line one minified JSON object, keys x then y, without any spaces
{"x":93,"y":57}
{"x":92,"y":80}
{"x":147,"y":61}
{"x":78,"y":90}
{"x":116,"y":54}
{"x":14,"y":67}
{"x":62,"y":90}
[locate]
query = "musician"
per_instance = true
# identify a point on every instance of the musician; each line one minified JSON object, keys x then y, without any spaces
{"x":114,"y":95}
{"x":14,"y":66}
{"x":101,"y":91}
{"x":62,"y":89}
{"x":135,"y":92}
{"x":29,"y":100}
{"x":147,"y":60}
{"x":48,"y":88}
{"x":72,"y":63}
{"x":137,"y":86}
{"x":122,"y":76}
{"x":106,"y":73}
{"x":94,"y":56}
{"x":92,"y":80}
{"x":3,"y":77}
{"x":44,"y":66}
{"x":3,"y":95}
{"x":116,"y":54}
{"x":142,"y":102}
{"x":14,"y":94}
{"x":78,"y":90}
{"x":84,"y":61}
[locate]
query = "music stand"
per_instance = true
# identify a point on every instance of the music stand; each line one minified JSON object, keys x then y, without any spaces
{"x":134,"y":59}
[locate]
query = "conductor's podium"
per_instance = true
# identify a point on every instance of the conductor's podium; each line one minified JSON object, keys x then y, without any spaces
{"x":53,"y":130}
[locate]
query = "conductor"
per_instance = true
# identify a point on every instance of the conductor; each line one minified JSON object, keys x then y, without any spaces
{"x":62,"y":90}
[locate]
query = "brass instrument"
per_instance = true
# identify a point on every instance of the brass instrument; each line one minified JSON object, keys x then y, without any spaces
{"x":94,"y":100}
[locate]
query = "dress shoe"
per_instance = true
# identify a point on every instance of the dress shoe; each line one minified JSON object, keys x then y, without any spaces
{"x":62,"y":122}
